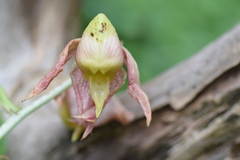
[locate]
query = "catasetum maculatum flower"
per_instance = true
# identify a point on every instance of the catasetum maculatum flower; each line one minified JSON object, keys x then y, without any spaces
{"x":98,"y":73}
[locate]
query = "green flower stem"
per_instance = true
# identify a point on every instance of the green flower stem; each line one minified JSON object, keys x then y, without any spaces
{"x":12,"y":121}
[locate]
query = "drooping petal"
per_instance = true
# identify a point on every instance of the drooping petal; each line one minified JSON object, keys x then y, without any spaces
{"x":132,"y":68}
{"x":134,"y":85}
{"x":135,"y":91}
{"x":67,"y":53}
{"x":81,"y":89}
{"x":116,"y":83}
{"x":88,"y":130}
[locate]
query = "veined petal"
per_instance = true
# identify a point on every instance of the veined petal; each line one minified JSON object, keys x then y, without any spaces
{"x":100,"y":48}
{"x":135,"y":91}
{"x":116,"y":83}
{"x":134,"y":85}
{"x":81,"y":89}
{"x":132,"y":68}
{"x":67,"y":53}
{"x":89,"y":128}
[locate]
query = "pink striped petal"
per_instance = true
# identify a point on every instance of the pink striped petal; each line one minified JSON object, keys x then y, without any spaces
{"x":67,"y":53}
{"x":134,"y":89}
{"x":116,"y":83}
{"x":88,"y":130}
{"x":81,"y":89}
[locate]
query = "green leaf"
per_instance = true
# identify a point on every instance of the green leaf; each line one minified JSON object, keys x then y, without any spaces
{"x":6,"y":103}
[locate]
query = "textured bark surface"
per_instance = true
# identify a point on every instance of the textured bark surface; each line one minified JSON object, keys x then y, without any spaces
{"x":196,"y":103}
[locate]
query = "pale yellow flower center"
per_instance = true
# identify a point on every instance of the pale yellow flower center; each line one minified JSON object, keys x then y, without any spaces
{"x":99,"y":57}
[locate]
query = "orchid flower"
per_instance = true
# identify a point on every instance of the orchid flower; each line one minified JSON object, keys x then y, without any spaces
{"x":98,"y":73}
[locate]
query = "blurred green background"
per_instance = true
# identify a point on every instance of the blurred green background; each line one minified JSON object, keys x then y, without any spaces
{"x":161,"y":33}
